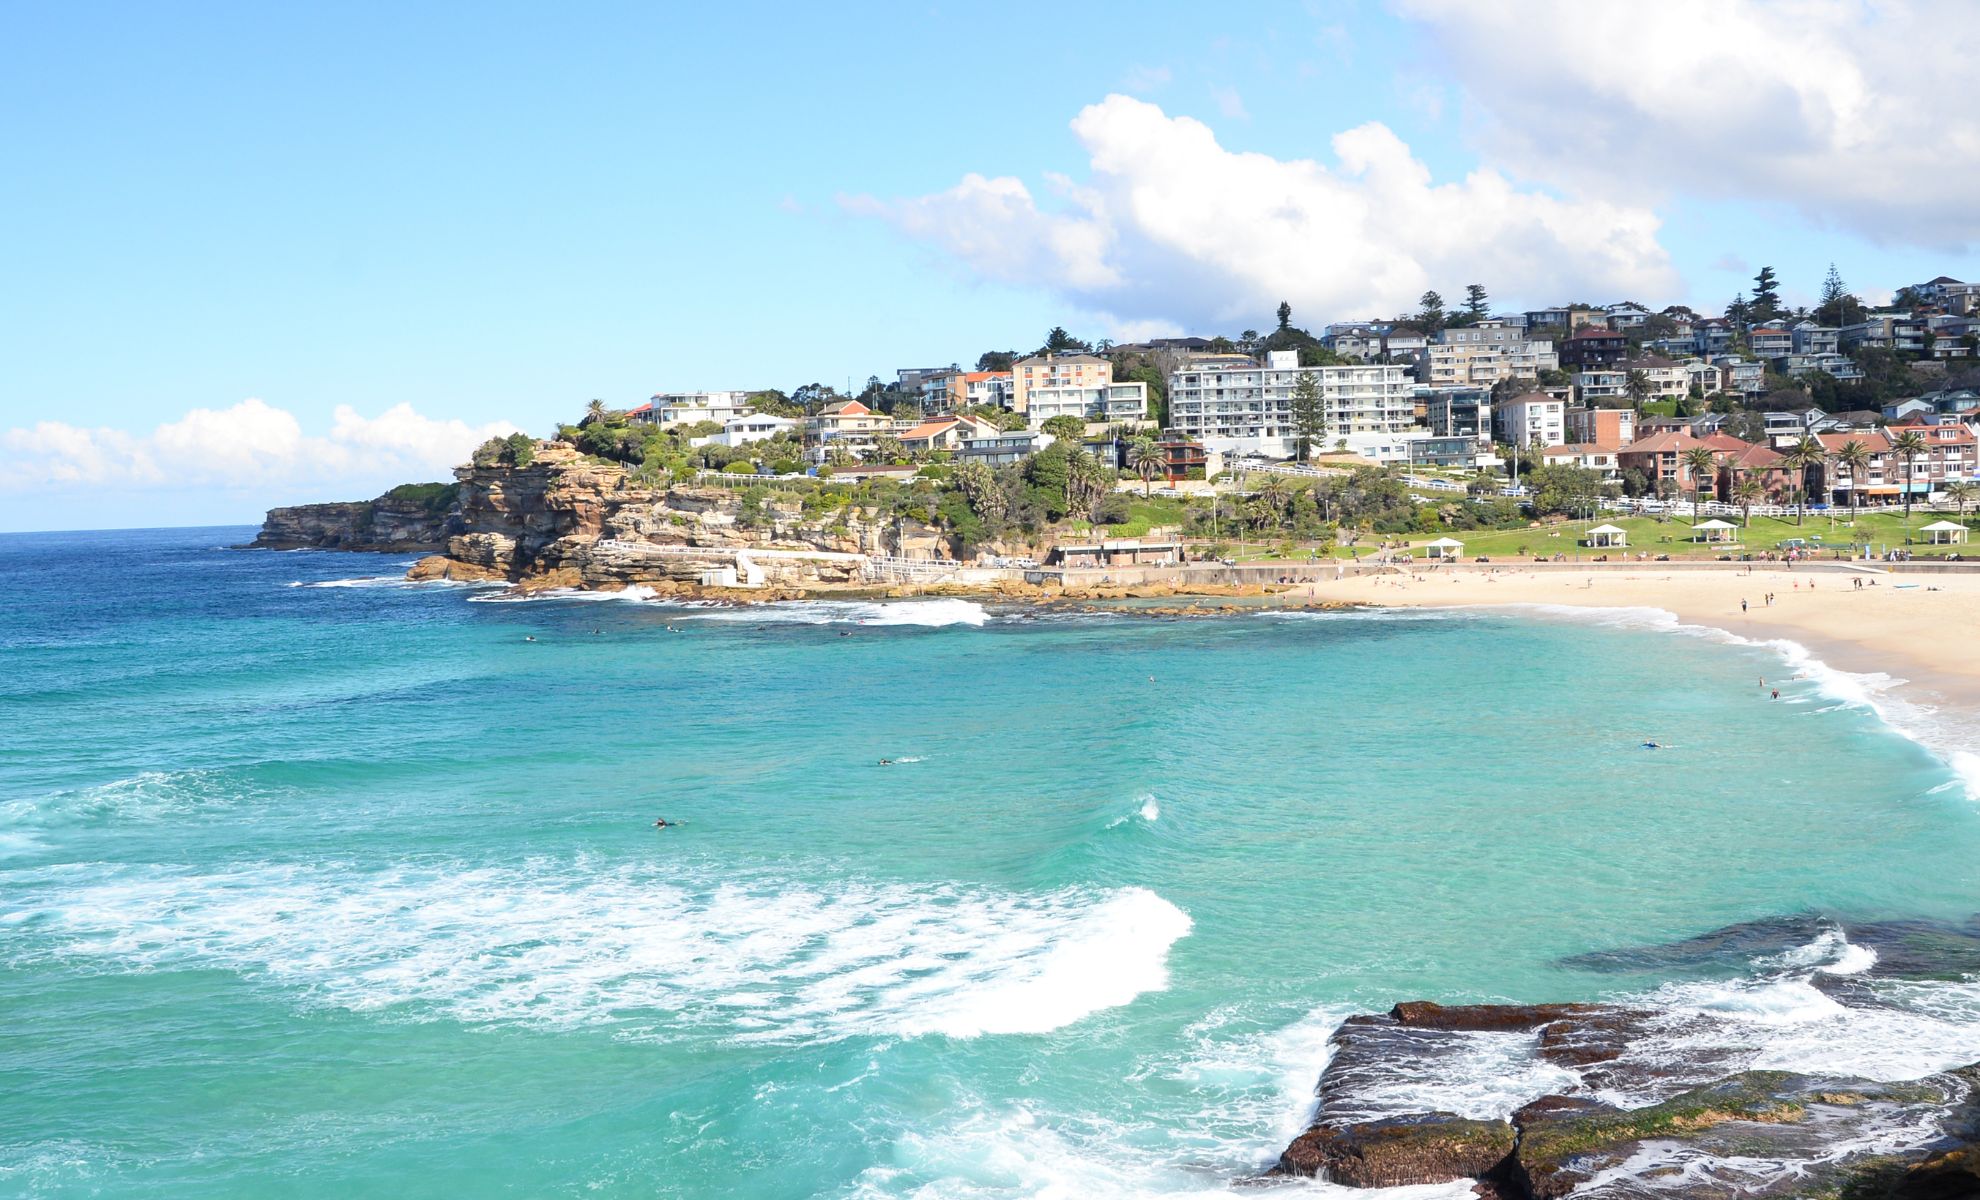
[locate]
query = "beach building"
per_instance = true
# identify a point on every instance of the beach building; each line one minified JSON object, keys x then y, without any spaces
{"x":1126,"y":552}
{"x":1245,"y":406}
{"x":1444,"y":549}
{"x":1951,"y":453}
{"x":1714,"y":530}
{"x":1944,"y":533}
{"x":1606,"y":537}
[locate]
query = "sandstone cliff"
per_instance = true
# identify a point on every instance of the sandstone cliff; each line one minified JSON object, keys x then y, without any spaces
{"x":569,"y":521}
{"x":393,"y":523}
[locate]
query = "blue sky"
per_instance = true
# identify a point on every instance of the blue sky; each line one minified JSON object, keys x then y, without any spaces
{"x":493,"y":213}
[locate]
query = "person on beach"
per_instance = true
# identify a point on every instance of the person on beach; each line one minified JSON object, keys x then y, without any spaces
{"x":1742,"y":604}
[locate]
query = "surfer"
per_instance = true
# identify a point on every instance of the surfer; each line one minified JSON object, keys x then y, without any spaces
{"x":664,"y":823}
{"x":1652,"y":746}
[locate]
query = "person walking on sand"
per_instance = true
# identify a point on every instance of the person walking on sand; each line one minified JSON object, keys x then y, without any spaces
{"x":1742,"y":605}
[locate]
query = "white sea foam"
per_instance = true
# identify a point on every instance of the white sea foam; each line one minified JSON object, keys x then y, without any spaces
{"x":1147,"y":809}
{"x":631,"y":947}
{"x":932,"y":613}
{"x":146,"y":796}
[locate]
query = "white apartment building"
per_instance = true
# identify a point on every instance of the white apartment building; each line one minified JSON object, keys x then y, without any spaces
{"x":1092,"y":402}
{"x":1531,"y":419}
{"x":1483,"y":363}
{"x":1246,"y":407}
{"x":690,"y":408}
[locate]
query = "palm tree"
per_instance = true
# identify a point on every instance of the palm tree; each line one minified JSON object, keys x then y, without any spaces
{"x":1856,"y":456}
{"x":594,"y":413}
{"x":1638,"y":387}
{"x":1272,"y":496}
{"x":1959,"y":491}
{"x":1084,"y":483}
{"x":1703,"y":463}
{"x":1908,"y":446}
{"x":1796,"y":459}
{"x":1746,"y":491}
{"x":1145,"y":457}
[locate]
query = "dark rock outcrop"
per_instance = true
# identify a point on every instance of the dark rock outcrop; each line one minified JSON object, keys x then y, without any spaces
{"x":1420,"y":1148}
{"x":1749,"y":1133}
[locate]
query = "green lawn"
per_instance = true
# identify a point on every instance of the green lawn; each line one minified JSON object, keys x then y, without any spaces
{"x":1672,"y":537}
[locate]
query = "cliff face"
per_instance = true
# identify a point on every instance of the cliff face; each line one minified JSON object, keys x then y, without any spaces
{"x":387,"y":524}
{"x":567,"y":521}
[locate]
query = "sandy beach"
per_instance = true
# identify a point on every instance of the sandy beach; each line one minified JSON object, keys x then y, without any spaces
{"x":1920,"y":633}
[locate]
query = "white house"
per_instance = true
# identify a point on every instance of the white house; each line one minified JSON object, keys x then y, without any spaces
{"x":1535,"y":418}
{"x":756,"y":427}
{"x":692,"y":408}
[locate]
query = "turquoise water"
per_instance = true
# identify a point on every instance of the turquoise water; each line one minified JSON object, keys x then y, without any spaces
{"x":352,"y":890}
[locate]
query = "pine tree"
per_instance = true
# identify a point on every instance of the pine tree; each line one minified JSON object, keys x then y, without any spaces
{"x":1431,"y":317}
{"x":1838,"y":307}
{"x":1285,"y":314}
{"x":1308,"y":413}
{"x":1739,"y":310}
{"x":1475,"y":304}
{"x":1766,"y":302}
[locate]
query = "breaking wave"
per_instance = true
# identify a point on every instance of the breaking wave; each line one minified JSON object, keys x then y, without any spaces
{"x":579,"y":943}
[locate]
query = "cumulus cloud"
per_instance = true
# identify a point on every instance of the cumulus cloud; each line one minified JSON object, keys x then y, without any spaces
{"x":1171,"y":226}
{"x":1856,"y":113}
{"x":252,"y":444}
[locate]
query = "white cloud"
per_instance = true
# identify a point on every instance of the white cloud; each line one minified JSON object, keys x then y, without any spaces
{"x":1146,"y":79}
{"x":1857,"y":113}
{"x":251,"y":445}
{"x":1171,"y":226}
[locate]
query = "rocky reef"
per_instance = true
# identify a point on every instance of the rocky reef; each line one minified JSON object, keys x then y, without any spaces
{"x":1640,"y":1102}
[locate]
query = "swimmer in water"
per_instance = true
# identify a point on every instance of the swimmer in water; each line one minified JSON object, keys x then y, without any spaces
{"x":1651,"y":746}
{"x":886,"y":762}
{"x":663,"y":823}
{"x":529,"y":639}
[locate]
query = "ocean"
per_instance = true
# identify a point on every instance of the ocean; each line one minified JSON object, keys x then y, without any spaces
{"x":316,"y":883}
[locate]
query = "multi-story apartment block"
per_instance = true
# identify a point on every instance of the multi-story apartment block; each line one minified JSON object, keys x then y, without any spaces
{"x":1810,"y":338}
{"x":1457,"y":411}
{"x":848,"y":426}
{"x":1482,"y":364}
{"x":1248,"y":406}
{"x":1593,"y":346}
{"x":1051,"y":371}
{"x":1532,"y":419}
{"x":1949,"y":454}
{"x":1770,"y":341}
{"x":1594,"y":385}
{"x":946,"y":391}
{"x":1088,"y":402}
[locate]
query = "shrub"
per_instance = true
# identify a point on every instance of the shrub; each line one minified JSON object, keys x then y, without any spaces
{"x":740,"y":466}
